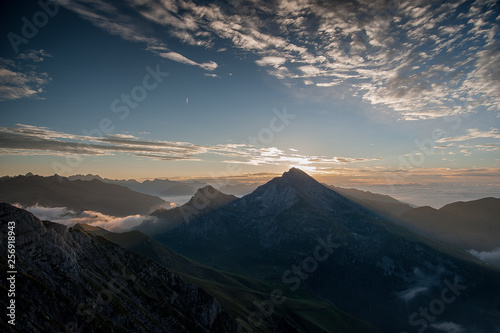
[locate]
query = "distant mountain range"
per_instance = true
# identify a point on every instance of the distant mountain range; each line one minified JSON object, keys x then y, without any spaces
{"x":166,"y":187}
{"x":157,"y":187}
{"x":292,"y":256}
{"x":466,"y":225}
{"x":94,"y":195}
{"x":472,"y":225}
{"x":374,"y":269}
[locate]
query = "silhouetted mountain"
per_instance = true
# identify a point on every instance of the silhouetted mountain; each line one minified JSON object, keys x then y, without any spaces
{"x":69,"y":280}
{"x":238,"y":294}
{"x":160,"y":187}
{"x":94,"y":195}
{"x":239,"y":189}
{"x":468,"y":225}
{"x":298,"y":231}
{"x":205,"y":199}
{"x":486,"y":210}
{"x":382,"y":204}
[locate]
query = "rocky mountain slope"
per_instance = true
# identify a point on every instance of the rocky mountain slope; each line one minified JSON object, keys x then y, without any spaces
{"x":241,"y":296}
{"x":69,"y":280}
{"x":298,"y":231}
{"x":94,"y":195}
{"x":205,"y":199}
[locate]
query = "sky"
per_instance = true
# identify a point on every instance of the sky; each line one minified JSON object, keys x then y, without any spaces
{"x":356,"y":93}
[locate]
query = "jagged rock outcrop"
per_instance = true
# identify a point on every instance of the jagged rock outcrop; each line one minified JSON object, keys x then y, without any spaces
{"x":73,"y":281}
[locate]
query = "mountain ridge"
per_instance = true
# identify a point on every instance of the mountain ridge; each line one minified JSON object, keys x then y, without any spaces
{"x":467,"y":225}
{"x":68,"y":278}
{"x":94,"y":195}
{"x":279,"y":224}
{"x":204,"y":200}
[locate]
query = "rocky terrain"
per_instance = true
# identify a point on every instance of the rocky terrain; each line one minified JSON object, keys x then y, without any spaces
{"x":69,"y":280}
{"x":373,"y":268}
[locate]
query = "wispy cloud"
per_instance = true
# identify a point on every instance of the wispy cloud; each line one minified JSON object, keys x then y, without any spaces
{"x":117,"y":19}
{"x":422,"y":60}
{"x":275,"y":62}
{"x":449,"y":327}
{"x":473,"y":133}
{"x":34,"y":55}
{"x":32,"y":140}
{"x":19,"y":78}
{"x":182,"y":59}
{"x":26,"y":139}
{"x":408,"y":295}
{"x":491,"y":257}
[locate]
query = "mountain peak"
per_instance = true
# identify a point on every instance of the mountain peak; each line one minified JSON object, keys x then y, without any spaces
{"x":298,"y":177}
{"x":208,"y":196}
{"x":208,"y":188}
{"x":296,"y":173}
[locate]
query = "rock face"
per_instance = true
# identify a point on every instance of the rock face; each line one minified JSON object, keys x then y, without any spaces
{"x":205,"y":200}
{"x":72,"y":281}
{"x":372,"y":269}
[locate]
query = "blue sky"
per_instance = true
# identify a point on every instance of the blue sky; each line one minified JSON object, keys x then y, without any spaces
{"x":354,"y":92}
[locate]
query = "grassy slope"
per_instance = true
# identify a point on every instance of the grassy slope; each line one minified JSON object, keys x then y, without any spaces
{"x":237,"y":294}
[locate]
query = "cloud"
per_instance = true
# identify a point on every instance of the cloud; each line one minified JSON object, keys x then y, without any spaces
{"x":275,"y":62}
{"x":310,"y":70}
{"x":34,"y":55}
{"x":408,"y":295}
{"x":19,"y":80}
{"x":69,"y":218}
{"x":449,"y":327}
{"x":328,"y":84}
{"x":182,"y":59}
{"x":422,"y":284}
{"x":28,"y":140}
{"x":420,"y":60}
{"x":117,"y":19}
{"x":491,"y":257}
{"x":473,"y":133}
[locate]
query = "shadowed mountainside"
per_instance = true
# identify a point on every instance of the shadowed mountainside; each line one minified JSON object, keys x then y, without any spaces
{"x":238,"y":295}
{"x":280,"y":224}
{"x":94,"y":195}
{"x":71,"y":280}
{"x":205,"y":199}
{"x":467,"y":225}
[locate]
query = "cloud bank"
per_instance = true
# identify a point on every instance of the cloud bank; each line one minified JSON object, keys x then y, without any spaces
{"x":34,"y":140}
{"x":69,"y":218}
